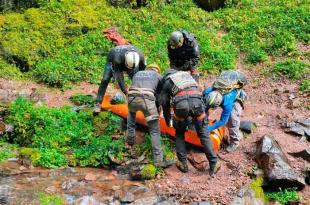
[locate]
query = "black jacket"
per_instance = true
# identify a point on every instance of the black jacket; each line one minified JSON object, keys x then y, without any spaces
{"x":149,"y":79}
{"x":186,"y":57}
{"x":116,"y":58}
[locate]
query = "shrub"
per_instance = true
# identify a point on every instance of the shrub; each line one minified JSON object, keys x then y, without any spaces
{"x":305,"y":86}
{"x":294,"y":69}
{"x":82,"y":99}
{"x":284,"y":196}
{"x":51,"y":134}
{"x":7,"y":151}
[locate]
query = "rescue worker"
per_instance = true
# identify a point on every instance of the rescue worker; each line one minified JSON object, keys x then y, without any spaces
{"x":142,"y":97}
{"x":121,"y":58}
{"x":183,"y":52}
{"x":180,"y":91}
{"x":227,"y":93}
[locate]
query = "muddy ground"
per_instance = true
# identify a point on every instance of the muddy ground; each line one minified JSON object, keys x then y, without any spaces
{"x":270,"y":103}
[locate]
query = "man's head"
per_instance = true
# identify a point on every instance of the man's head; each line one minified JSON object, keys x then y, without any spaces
{"x":132,"y":59}
{"x":176,"y":39}
{"x":213,"y":99}
{"x":153,"y":67}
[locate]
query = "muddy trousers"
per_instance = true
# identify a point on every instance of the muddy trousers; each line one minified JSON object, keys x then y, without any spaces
{"x":233,"y":124}
{"x":150,"y":112}
{"x":189,"y":109}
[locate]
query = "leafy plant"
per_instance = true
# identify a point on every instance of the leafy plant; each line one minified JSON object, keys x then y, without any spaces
{"x":294,"y":69}
{"x":57,"y":136}
{"x":305,"y":86}
{"x":256,"y":186}
{"x":284,"y":196}
{"x":7,"y":151}
{"x":82,"y":99}
{"x":47,"y":199}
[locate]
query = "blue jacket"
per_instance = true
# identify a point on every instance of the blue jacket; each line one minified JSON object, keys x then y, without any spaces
{"x":227,"y":106}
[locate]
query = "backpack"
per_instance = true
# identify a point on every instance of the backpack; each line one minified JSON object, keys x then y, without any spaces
{"x":228,"y":81}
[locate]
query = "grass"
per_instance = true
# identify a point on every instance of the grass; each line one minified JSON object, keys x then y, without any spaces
{"x":62,"y":42}
{"x":284,"y":196}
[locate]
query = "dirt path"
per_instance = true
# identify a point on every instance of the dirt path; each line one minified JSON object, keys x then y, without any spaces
{"x":270,"y":103}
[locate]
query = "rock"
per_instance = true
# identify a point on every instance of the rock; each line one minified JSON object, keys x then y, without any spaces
{"x":143,"y":172}
{"x":211,"y":5}
{"x":294,"y":103}
{"x":299,"y":127}
{"x":198,"y":160}
{"x":247,"y":126}
{"x":307,"y":173}
{"x":259,"y":173}
{"x":69,"y":199}
{"x":87,"y":200}
{"x":114,"y":188}
{"x":167,"y":202}
{"x":138,"y":189}
{"x":305,"y":154}
{"x":90,"y":177}
{"x":202,"y":203}
{"x":69,"y":184}
{"x":247,"y":196}
{"x":50,"y":190}
{"x":278,"y":172}
{"x":147,"y":200}
{"x":128,"y":198}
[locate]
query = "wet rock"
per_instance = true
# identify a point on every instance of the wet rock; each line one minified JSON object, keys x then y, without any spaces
{"x":69,"y":184}
{"x":146,"y":200}
{"x":305,"y":154}
{"x":247,"y":126}
{"x":278,"y":172}
{"x":87,"y":200}
{"x":246,"y":196}
{"x":50,"y":190}
{"x":128,"y":198}
{"x":202,"y":203}
{"x":90,"y":177}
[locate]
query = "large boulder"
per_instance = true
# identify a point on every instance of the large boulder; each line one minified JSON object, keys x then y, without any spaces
{"x":210,"y":5}
{"x":278,"y":172}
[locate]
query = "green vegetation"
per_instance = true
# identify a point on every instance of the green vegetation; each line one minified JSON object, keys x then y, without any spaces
{"x":294,"y":69}
{"x":167,"y":147}
{"x":284,"y":196}
{"x":58,"y":136}
{"x":61,"y":43}
{"x":82,"y":99}
{"x":305,"y":86}
{"x":148,"y":172}
{"x":46,"y":199}
{"x":55,"y":137}
{"x":7,"y":151}
{"x":256,"y":186}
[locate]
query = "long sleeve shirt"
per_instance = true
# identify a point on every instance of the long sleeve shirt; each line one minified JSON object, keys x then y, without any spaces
{"x":227,"y":106}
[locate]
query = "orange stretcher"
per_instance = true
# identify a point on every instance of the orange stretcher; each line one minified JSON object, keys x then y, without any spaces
{"x":190,"y":136}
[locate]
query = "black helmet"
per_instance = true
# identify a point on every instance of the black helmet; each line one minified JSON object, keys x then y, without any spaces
{"x":176,"y":39}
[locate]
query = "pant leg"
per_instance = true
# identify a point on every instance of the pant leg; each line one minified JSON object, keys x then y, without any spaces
{"x":131,"y":127}
{"x":156,"y":140}
{"x":107,"y":75}
{"x":180,"y":127}
{"x":234,"y":124}
{"x":201,"y":129}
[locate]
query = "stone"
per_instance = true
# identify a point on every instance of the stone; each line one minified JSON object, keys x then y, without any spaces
{"x":87,"y":200}
{"x":247,"y":126}
{"x":50,"y":190}
{"x":246,"y":196}
{"x":146,"y":200}
{"x":128,"y":198}
{"x":307,"y":174}
{"x":90,"y":177}
{"x":277,"y":169}
{"x":202,"y":203}
{"x":299,"y":127}
{"x":198,"y":160}
{"x":69,"y":184}
{"x":304,"y":154}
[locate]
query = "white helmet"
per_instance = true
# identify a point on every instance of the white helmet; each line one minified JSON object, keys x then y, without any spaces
{"x":214,"y":99}
{"x":132,"y":59}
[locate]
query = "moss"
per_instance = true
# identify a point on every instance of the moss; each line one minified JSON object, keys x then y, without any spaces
{"x":30,"y":153}
{"x":148,"y":172}
{"x":256,"y":186}
{"x":48,"y":199}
